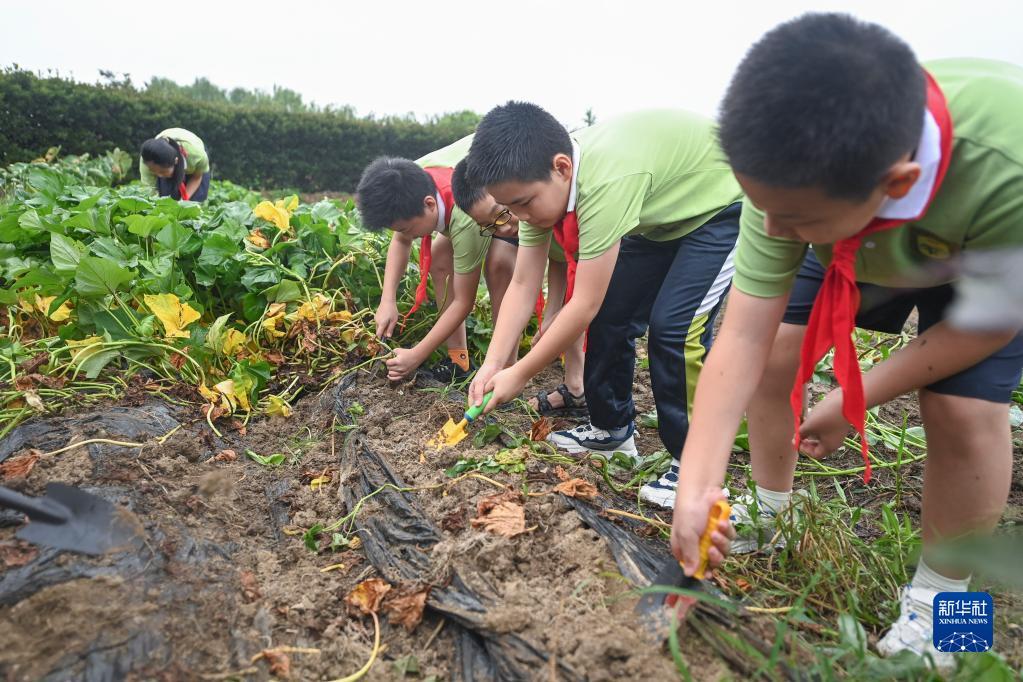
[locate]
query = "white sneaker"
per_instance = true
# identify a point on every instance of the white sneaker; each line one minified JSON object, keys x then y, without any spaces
{"x":914,"y":630}
{"x":588,"y":438}
{"x":764,"y":533}
{"x":662,"y":491}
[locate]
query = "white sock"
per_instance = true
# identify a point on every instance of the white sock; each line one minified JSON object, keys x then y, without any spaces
{"x":927,"y":578}
{"x":772,"y":500}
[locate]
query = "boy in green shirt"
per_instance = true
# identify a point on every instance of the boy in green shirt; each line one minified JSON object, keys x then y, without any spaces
{"x":416,"y":200}
{"x":890,"y":170}
{"x":645,"y":208}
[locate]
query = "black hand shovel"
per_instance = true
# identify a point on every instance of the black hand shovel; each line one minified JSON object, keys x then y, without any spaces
{"x":70,"y":518}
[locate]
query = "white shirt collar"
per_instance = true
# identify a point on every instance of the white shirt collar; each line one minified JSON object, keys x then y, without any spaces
{"x":575,"y":177}
{"x":928,"y":155}
{"x":441,"y":214}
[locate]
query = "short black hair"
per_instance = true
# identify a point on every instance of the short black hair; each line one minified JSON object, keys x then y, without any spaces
{"x":392,"y":189}
{"x":464,"y":187}
{"x":516,"y":141}
{"x":824,"y":100}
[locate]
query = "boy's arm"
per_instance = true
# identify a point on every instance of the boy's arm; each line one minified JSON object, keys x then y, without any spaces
{"x":938,"y":353}
{"x":591,"y":280}
{"x":397,"y":260}
{"x":727,"y":382}
{"x":405,"y":361}
{"x":518,"y":304}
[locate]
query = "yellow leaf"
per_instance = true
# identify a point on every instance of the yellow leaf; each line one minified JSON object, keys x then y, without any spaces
{"x":87,"y":347}
{"x":233,"y":341}
{"x":314,"y":310}
{"x":277,"y":213}
{"x":348,"y":335}
{"x":256,"y":238}
{"x":172,"y":313}
{"x":319,"y":481}
{"x":274,"y":326}
{"x":278,"y":407}
{"x":61,"y":314}
{"x":231,"y":397}
{"x":340,"y":316}
{"x":207,"y":393}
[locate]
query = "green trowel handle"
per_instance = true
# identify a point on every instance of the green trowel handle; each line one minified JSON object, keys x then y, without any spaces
{"x":476,"y":410}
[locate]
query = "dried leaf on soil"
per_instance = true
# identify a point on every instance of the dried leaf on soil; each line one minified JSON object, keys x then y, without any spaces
{"x":540,"y":429}
{"x":454,"y":521}
{"x":501,"y":514}
{"x":17,"y":553}
{"x":405,"y":608}
{"x":34,"y":401}
{"x":279,"y":662}
{"x":560,"y":473}
{"x":367,"y":595}
{"x":19,"y":466}
{"x":226,"y":456}
{"x":250,"y":587}
{"x":577,"y":487}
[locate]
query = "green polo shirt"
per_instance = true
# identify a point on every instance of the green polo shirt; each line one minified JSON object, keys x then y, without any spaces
{"x":469,"y":246}
{"x":656,"y":173}
{"x":978,"y":206}
{"x":196,"y":159}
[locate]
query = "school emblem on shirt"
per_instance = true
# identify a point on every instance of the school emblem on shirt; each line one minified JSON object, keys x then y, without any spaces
{"x":931,"y":246}
{"x":963,"y":622}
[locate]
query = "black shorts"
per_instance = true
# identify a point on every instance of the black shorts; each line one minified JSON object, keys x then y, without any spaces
{"x":165,"y":188}
{"x":886,"y":309}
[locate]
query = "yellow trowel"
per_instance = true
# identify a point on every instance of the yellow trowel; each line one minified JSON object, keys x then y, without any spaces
{"x":452,"y":433}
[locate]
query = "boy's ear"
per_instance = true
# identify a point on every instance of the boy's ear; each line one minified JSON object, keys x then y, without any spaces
{"x":562,"y":165}
{"x":901,"y":178}
{"x":429,"y":204}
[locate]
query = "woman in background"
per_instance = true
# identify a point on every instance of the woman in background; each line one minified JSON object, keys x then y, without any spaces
{"x":175,"y":163}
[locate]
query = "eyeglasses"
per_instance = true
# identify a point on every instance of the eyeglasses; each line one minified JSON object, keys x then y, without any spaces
{"x":500,"y":221}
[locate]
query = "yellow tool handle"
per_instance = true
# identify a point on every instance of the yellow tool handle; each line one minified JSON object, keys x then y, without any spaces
{"x":719,"y":511}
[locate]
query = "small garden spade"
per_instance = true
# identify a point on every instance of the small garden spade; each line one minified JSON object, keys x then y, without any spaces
{"x":452,"y":433}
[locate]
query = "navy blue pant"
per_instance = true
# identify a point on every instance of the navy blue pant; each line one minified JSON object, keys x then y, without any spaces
{"x":675,"y":289}
{"x":165,"y":187}
{"x":886,"y":309}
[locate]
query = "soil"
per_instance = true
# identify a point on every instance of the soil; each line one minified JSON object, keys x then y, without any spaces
{"x":224,"y":573}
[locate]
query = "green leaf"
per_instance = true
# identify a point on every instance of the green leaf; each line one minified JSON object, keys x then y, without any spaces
{"x":174,"y":237}
{"x":274,"y":460}
{"x":93,"y":220}
{"x":110,"y":249}
{"x":145,"y":225}
{"x":134,"y":204}
{"x":10,"y":231}
{"x":96,"y":277}
{"x":65,"y":253}
{"x":95,"y":363}
{"x":175,"y":209}
{"x":310,"y":536}
{"x":285,"y":292}
{"x":253,"y":306}
{"x":325,"y":211}
{"x":92,"y":200}
{"x":407,"y":665}
{"x":259,"y":278}
{"x":217,"y":249}
{"x":30,"y":220}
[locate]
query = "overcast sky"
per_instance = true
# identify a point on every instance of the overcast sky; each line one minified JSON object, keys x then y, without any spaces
{"x":397,"y":56}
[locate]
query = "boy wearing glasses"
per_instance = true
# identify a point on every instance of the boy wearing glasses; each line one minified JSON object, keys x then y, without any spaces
{"x":649,"y":207}
{"x":417,"y":200}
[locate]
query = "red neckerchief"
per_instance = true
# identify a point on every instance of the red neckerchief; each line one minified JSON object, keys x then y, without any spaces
{"x":442,"y":179}
{"x":833,"y":318}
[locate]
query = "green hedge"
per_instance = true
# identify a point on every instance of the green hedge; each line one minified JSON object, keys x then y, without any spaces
{"x":250,"y":146}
